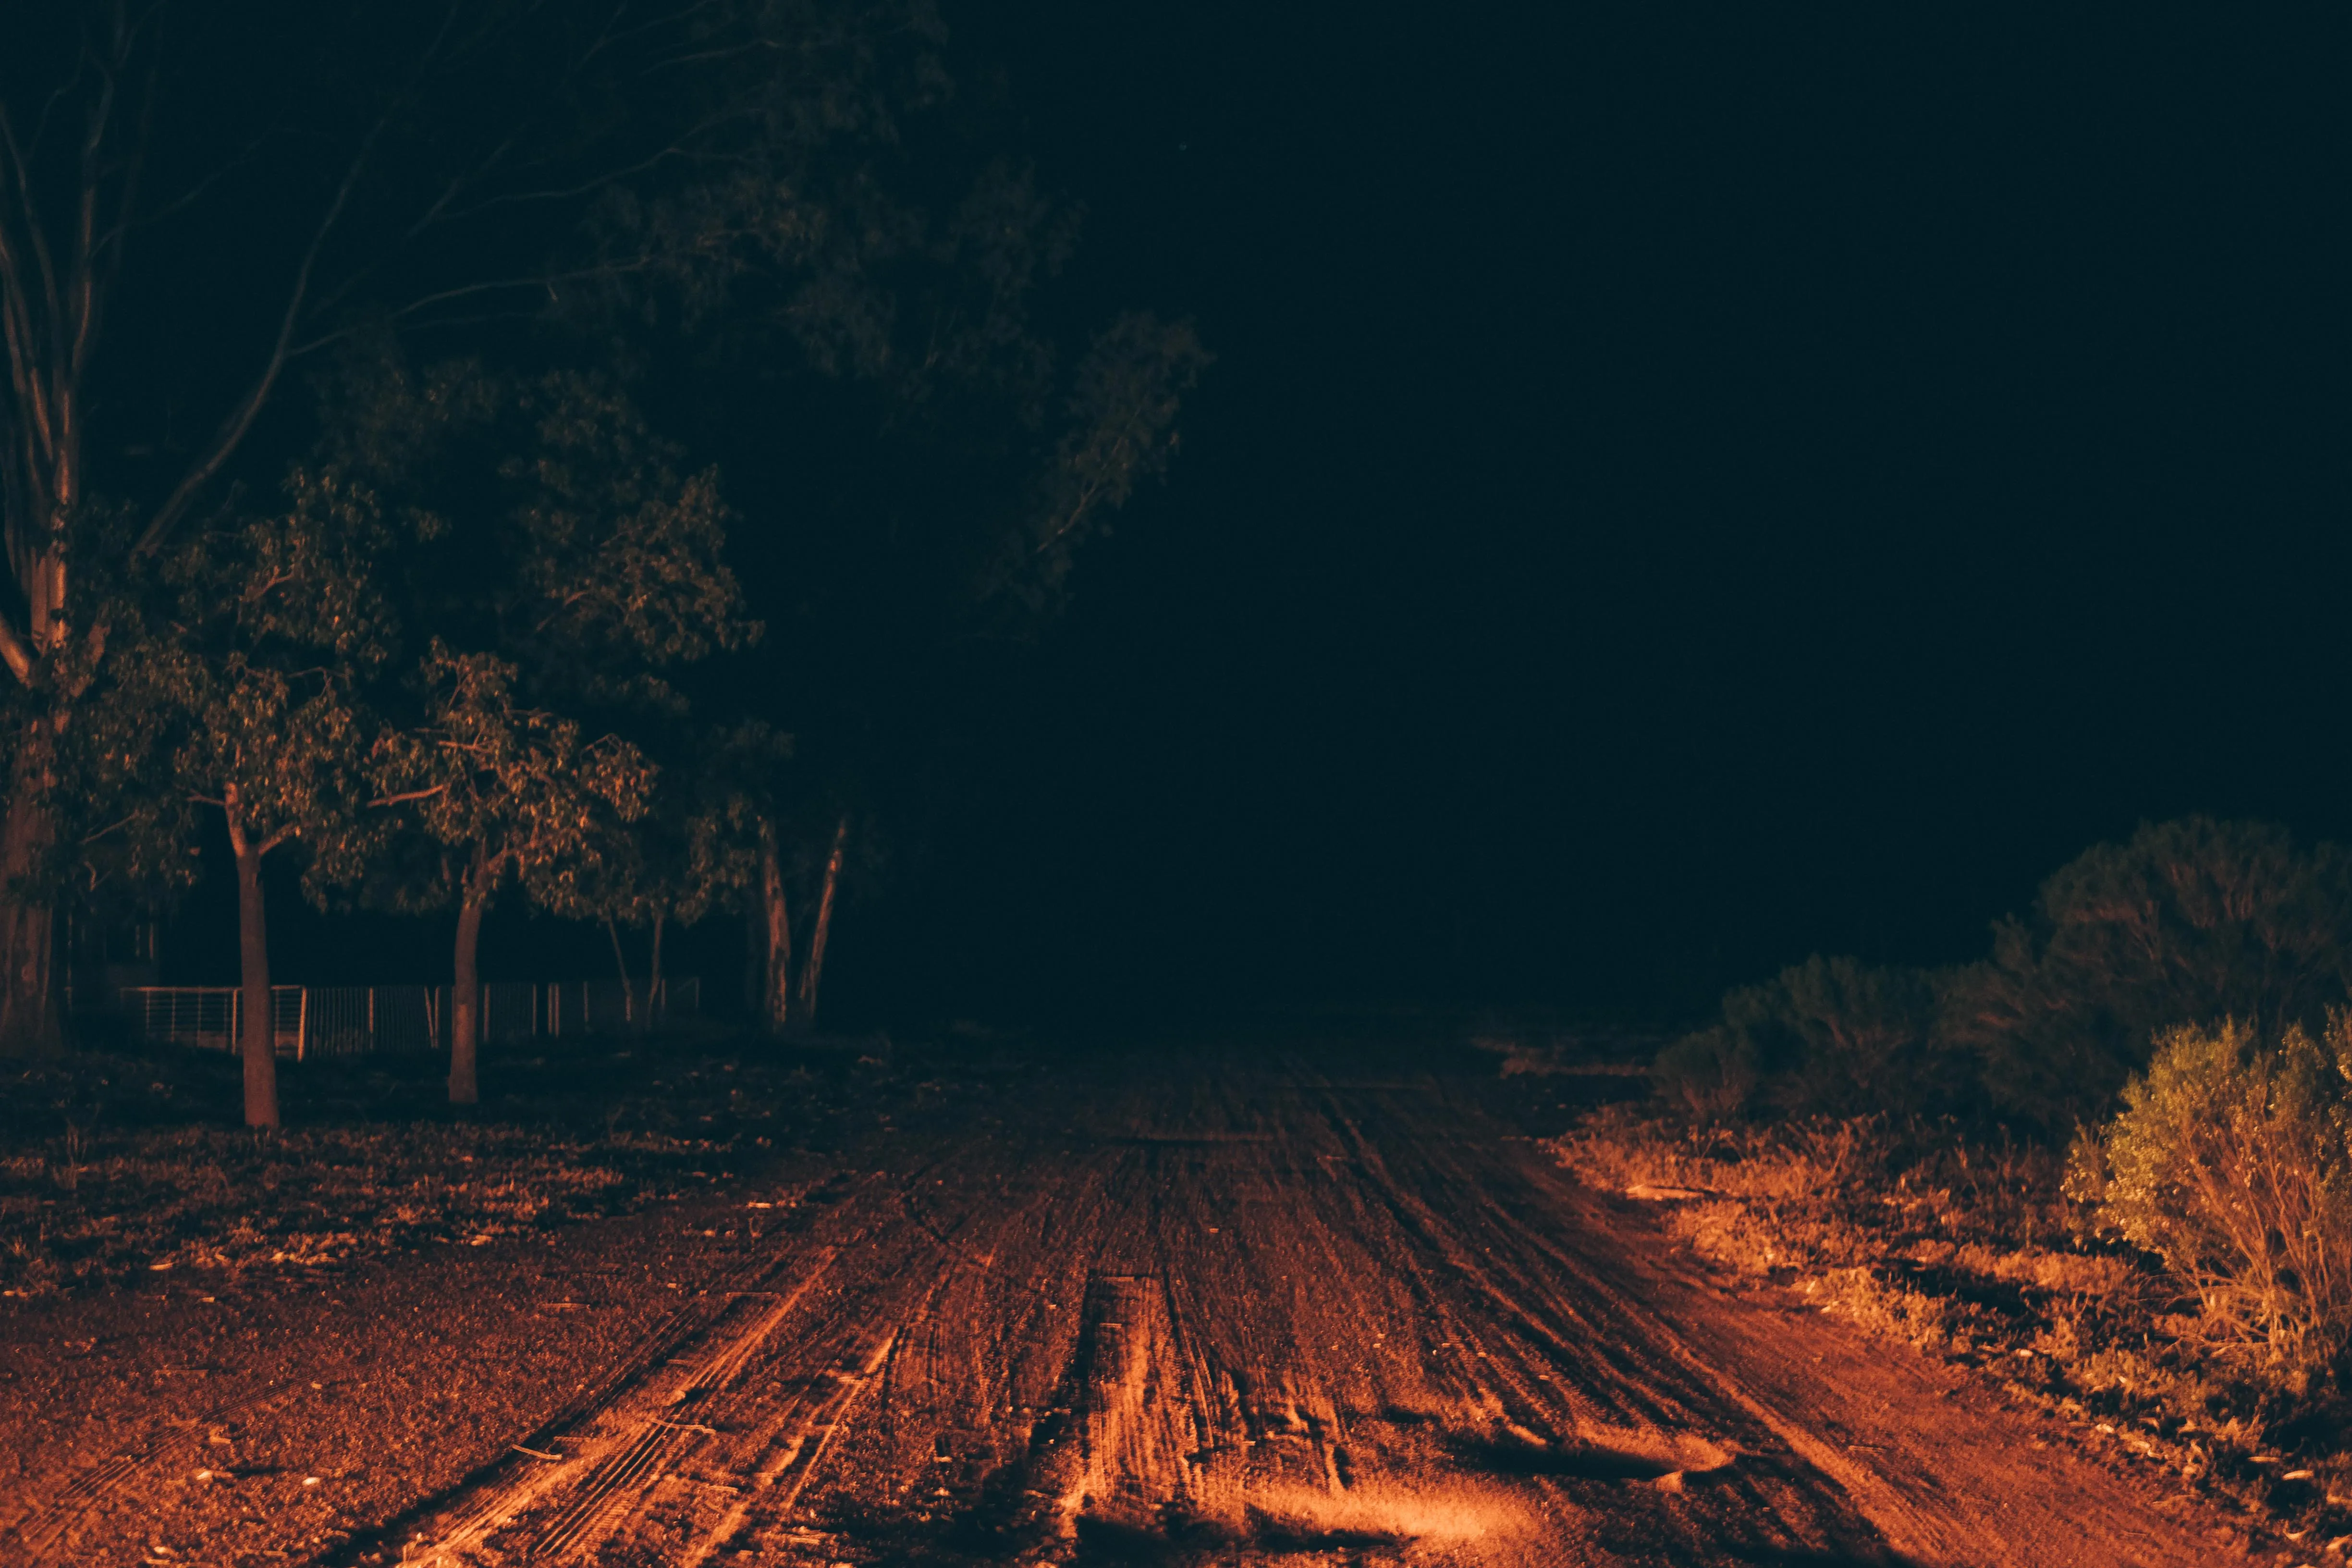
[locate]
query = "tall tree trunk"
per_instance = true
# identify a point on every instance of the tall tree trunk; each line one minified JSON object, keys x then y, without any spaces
{"x":621,"y":963}
{"x":812,"y":968}
{"x":776,"y":977}
{"x":30,"y":1022}
{"x":657,"y":1005}
{"x":257,"y":1030}
{"x":466,"y":986}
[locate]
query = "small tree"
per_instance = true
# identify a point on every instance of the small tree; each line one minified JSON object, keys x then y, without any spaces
{"x":278,"y":622}
{"x":568,"y":564}
{"x":498,"y":793}
{"x":713,"y":840}
{"x":646,"y":874}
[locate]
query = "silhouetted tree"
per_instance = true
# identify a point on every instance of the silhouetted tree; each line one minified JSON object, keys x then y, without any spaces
{"x":565,"y":566}
{"x":952,"y":448}
{"x":2188,"y":921}
{"x":197,"y":195}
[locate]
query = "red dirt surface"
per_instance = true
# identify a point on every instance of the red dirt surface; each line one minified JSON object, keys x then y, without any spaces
{"x":1234,"y":1307}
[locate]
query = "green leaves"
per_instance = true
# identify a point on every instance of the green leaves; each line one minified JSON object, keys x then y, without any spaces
{"x":1122,"y":431}
{"x":502,"y":787}
{"x":622,"y":559}
{"x":274,"y":623}
{"x":2232,"y":1160}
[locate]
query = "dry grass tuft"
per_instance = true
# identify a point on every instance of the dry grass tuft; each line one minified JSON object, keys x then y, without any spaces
{"x":1974,"y":1252}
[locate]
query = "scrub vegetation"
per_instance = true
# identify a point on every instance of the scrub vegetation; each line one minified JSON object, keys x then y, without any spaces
{"x":2110,"y":1164}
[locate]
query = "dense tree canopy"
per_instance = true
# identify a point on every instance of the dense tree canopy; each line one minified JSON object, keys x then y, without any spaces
{"x":467,"y":274}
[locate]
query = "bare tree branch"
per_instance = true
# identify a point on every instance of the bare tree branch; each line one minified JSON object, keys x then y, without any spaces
{"x":115,"y":825}
{"x":411,"y":795}
{"x":240,"y":420}
{"x":14,"y":653}
{"x":545,"y":281}
{"x":34,"y":231}
{"x":17,"y":303}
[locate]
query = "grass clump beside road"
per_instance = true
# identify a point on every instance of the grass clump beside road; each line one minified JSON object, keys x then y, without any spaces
{"x":2109,"y":1163}
{"x":1992,"y":1253}
{"x":118,"y":1165}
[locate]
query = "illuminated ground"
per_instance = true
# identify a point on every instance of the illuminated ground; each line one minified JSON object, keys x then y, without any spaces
{"x":1266,"y":1308}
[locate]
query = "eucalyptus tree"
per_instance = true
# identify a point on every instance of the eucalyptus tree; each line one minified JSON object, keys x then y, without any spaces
{"x":278,"y":626}
{"x":496,"y":792}
{"x":719,"y":849}
{"x":909,"y":392}
{"x":566,"y":565}
{"x":646,"y":874}
{"x":198,"y":196}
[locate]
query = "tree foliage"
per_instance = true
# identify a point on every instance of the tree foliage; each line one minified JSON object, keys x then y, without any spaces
{"x":457,"y":657}
{"x":499,"y":789}
{"x":356,"y":169}
{"x":279,"y":626}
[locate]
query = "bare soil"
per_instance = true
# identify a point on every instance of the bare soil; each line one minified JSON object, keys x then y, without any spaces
{"x":1259,"y":1303}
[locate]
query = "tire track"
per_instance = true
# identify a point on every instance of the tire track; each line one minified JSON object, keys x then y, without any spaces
{"x":608,"y":1465}
{"x":35,"y":1535}
{"x":798,"y":1460}
{"x":38,"y":1533}
{"x":1251,"y":1318}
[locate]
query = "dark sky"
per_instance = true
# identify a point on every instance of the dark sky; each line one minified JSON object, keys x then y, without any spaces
{"x":1680,"y":491}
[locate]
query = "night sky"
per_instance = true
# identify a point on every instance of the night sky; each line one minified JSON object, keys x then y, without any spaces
{"x":1679,"y":490}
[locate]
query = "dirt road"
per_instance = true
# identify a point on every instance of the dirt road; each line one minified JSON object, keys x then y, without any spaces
{"x":1252,"y":1311}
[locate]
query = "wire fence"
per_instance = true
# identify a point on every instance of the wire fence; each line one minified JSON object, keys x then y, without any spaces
{"x":355,"y":1020}
{"x":211,"y":1017}
{"x":351,"y":1020}
{"x":609,"y":1007}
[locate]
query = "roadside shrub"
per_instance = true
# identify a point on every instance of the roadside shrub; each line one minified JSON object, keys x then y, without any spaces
{"x":2232,"y":1161}
{"x":2187,"y":923}
{"x":1829,"y":1036}
{"x":1710,"y":1076}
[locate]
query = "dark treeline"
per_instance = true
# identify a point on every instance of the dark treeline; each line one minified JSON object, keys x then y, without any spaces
{"x":2189,"y":922}
{"x":599,"y":460}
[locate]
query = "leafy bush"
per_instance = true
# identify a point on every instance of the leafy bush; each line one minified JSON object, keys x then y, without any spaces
{"x":2232,"y":1162}
{"x":1711,"y":1075}
{"x":2188,"y":921}
{"x":1829,"y":1035}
